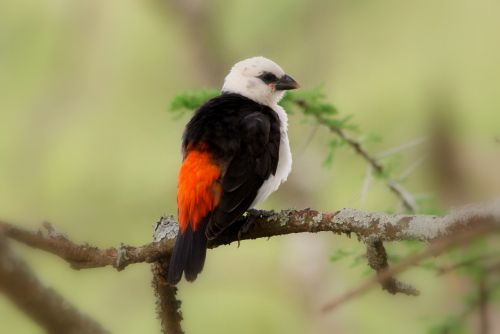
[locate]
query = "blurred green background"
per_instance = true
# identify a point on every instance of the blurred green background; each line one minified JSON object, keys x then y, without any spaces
{"x":86,"y":143}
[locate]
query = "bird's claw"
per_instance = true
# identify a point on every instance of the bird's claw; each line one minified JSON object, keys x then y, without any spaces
{"x":245,"y":227}
{"x":250,"y":217}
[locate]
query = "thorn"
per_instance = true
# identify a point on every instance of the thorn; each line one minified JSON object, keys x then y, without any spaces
{"x":121,"y":257}
{"x":52,"y":232}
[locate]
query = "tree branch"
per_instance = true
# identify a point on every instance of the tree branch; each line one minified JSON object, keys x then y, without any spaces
{"x":167,"y":304}
{"x":85,"y":256}
{"x":368,"y":226}
{"x":377,"y":259}
{"x":372,"y":228}
{"x":483,"y":225}
{"x":41,"y":303}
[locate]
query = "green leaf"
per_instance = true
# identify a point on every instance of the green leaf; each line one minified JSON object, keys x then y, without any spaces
{"x":190,"y":101}
{"x":333,"y":145}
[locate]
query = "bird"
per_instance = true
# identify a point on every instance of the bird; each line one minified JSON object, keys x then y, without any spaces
{"x":236,"y":152}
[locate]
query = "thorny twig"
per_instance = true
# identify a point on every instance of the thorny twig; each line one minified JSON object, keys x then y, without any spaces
{"x":406,"y":146}
{"x":396,"y":188}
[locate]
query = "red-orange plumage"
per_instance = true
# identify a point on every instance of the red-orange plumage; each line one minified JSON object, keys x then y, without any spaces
{"x":198,"y":190}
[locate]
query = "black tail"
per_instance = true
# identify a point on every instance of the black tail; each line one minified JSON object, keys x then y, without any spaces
{"x":189,"y":253}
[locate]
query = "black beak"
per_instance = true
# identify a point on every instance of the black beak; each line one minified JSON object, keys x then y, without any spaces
{"x":286,"y":82}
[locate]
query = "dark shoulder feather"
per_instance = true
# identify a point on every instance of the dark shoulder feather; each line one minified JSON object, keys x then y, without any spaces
{"x":254,"y":162}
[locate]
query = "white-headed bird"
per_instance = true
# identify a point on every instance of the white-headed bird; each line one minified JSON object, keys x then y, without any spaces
{"x":236,"y":153}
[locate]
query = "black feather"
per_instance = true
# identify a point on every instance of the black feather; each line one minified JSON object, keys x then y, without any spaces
{"x":243,"y":137}
{"x":196,"y":260}
{"x":189,"y":253}
{"x":179,"y":257}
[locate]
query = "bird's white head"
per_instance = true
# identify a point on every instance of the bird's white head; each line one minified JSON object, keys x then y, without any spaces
{"x":259,"y":79}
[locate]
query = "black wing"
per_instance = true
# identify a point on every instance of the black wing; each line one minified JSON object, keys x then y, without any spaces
{"x":254,"y":161}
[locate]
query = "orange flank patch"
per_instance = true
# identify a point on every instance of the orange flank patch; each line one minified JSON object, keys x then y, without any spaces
{"x":198,"y":191}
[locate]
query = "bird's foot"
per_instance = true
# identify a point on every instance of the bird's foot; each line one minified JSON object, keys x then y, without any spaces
{"x":250,"y":217}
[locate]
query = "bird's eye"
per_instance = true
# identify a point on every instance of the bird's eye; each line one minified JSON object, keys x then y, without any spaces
{"x":268,"y":77}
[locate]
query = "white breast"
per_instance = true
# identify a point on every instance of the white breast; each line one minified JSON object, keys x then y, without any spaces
{"x":284,"y":161}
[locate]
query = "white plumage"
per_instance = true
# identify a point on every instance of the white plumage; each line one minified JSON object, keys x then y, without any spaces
{"x":284,"y":163}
